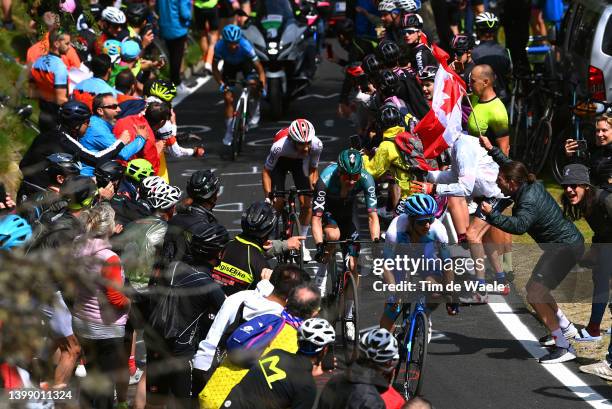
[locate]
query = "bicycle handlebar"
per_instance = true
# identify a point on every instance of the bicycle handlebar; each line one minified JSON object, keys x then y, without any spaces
{"x":283,"y":193}
{"x":348,"y":241}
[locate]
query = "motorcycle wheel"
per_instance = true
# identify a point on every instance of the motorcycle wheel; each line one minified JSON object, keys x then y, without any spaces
{"x":275,"y":98}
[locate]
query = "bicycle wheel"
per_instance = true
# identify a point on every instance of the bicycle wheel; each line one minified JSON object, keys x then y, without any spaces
{"x":243,"y":128}
{"x":296,"y":255}
{"x":519,"y":131}
{"x":236,"y":132}
{"x":409,"y":376}
{"x":539,"y":146}
{"x":349,"y":297}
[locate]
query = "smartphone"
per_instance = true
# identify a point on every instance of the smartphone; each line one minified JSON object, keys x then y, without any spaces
{"x":582,"y":145}
{"x":327,"y":363}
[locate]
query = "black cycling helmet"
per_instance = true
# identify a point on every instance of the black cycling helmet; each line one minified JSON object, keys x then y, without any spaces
{"x":371,"y":65}
{"x":203,"y":185}
{"x":412,"y":20}
{"x":258,"y":220}
{"x":136,"y":13}
{"x":207,"y":240}
{"x":389,"y":116}
{"x":62,"y":164}
{"x":461,"y":43}
{"x":80,"y":191}
{"x":74,"y":114}
{"x":388,"y":82}
{"x":389,"y":52}
{"x":96,"y":11}
{"x":108,"y":172}
{"x":346,"y":28}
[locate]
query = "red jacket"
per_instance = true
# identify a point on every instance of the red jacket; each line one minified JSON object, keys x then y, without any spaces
{"x":149,"y":152}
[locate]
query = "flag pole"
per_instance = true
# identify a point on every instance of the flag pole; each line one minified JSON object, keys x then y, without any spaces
{"x":474,"y":113}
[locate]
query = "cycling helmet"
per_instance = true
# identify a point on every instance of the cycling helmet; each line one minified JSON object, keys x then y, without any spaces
{"x":130,"y":50}
{"x":207,"y":239}
{"x":80,"y":191}
{"x":108,"y":172}
{"x":113,"y":15}
{"x":203,"y":184}
{"x":139,"y":169}
{"x":259,"y":220}
{"x":74,"y":114}
{"x":162,"y":89}
{"x":136,"y":13}
{"x":62,"y":164}
{"x":301,"y":131}
{"x":389,"y":52}
{"x":388,"y":6}
{"x":461,"y":43}
{"x":487,"y":22}
{"x":389,"y":116}
{"x":371,"y":65}
{"x":354,"y":70}
{"x":412,"y":20}
{"x":314,"y":334}
{"x":388,"y":81}
{"x":231,"y":33}
{"x":113,"y":49}
{"x":407,"y":6}
{"x":346,"y":28}
{"x":379,"y":345}
{"x":428,"y":73}
{"x":160,"y":195}
{"x":14,"y":231}
{"x":96,"y":11}
{"x":350,"y":162}
{"x":151,"y":183}
{"x":420,"y":206}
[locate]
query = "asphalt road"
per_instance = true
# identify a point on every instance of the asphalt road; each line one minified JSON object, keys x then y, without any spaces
{"x":473,"y":361}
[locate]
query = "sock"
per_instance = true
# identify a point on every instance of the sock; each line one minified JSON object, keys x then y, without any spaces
{"x":598,"y":311}
{"x":501,"y":277}
{"x":304,"y":230}
{"x":349,"y":309}
{"x":507,"y":262}
{"x":560,"y":340}
{"x":563,"y":321}
{"x":228,"y":127}
{"x":321,"y":277}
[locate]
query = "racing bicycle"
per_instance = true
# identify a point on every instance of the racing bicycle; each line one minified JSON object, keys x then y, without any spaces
{"x":290,"y":223}
{"x":239,"y":127}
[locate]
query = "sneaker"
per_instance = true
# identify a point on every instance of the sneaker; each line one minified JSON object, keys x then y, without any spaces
{"x":609,"y":331}
{"x":569,"y":332}
{"x":547,"y":341}
{"x":307,"y":257}
{"x":584,"y":336}
{"x":558,"y":355}
{"x":350,"y":331}
{"x":601,"y":369}
{"x":80,"y":371}
{"x":475,"y":298}
{"x":134,"y":379}
{"x":452,"y":308}
{"x":227,"y":140}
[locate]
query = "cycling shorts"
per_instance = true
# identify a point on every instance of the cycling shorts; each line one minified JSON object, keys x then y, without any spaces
{"x":347,"y":230}
{"x":555,"y":264}
{"x":201,"y":16}
{"x":499,"y":204}
{"x":293,"y":166}
{"x":58,"y":317}
{"x":231,"y":71}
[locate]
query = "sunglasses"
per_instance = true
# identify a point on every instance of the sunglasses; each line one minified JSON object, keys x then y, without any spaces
{"x":572,"y":186}
{"x":423,"y":222}
{"x":110,"y":106}
{"x":352,"y":178}
{"x":410,"y":31}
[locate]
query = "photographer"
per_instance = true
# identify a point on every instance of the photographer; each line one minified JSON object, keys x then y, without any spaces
{"x":598,"y":159}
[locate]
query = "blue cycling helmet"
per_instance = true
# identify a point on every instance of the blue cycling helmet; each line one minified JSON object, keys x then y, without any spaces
{"x":130,"y":50}
{"x":113,"y":49}
{"x":232,"y":33}
{"x":420,"y":206}
{"x":14,"y":231}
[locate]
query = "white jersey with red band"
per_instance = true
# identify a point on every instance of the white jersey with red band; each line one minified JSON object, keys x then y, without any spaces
{"x":283,"y":147}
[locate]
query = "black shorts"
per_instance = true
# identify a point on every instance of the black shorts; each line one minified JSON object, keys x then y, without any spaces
{"x":201,"y":16}
{"x":168,"y":377}
{"x":230,"y":72}
{"x":555,"y":263}
{"x":225,"y":9}
{"x":497,"y":204}
{"x":347,"y":227}
{"x":293,"y":166}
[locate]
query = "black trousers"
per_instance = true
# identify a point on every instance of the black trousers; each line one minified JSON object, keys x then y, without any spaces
{"x":176,"y":50}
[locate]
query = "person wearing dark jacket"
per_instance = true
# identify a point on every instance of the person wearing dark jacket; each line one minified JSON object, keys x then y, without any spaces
{"x":361,"y":385}
{"x":195,"y":300}
{"x":537,"y":213}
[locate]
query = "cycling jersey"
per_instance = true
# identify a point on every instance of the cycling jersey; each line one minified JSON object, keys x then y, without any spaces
{"x":328,"y":193}
{"x":489,"y":118}
{"x":86,"y":90}
{"x":283,"y":147}
{"x":245,"y":53}
{"x":241,"y":265}
{"x":71,"y":58}
{"x":279,"y":380}
{"x":48,"y":74}
{"x":492,"y":53}
{"x":421,"y":56}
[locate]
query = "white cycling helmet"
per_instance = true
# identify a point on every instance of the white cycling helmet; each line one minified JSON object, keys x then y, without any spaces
{"x":487,"y":21}
{"x":407,"y":6}
{"x":113,"y":15}
{"x":301,"y":131}
{"x":164,"y":197}
{"x":387,"y":6}
{"x":317,"y":332}
{"x":379,"y":345}
{"x":151,"y":183}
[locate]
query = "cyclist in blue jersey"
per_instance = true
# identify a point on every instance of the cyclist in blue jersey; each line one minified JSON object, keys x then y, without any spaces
{"x":238,"y":55}
{"x":335,"y":194}
{"x":417,"y":226}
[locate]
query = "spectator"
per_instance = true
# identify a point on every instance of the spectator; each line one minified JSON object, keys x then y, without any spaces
{"x":101,"y":309}
{"x":86,"y":90}
{"x":49,"y":80}
{"x":206,"y":19}
{"x":417,"y":403}
{"x":125,"y":83}
{"x":366,"y":18}
{"x":598,"y":159}
{"x":138,"y":26}
{"x":112,"y":25}
{"x":174,"y":21}
{"x":99,"y":135}
{"x":7,"y":20}
{"x":390,"y":18}
{"x":51,"y":21}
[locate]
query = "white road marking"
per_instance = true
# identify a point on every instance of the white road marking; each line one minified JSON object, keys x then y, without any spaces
{"x":180,"y":97}
{"x":319,"y":96}
{"x":254,"y":171}
{"x":561,"y":372}
{"x":238,"y":207}
{"x":249,"y":184}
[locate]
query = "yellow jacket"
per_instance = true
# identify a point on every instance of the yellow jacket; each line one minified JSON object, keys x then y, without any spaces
{"x":388,"y":159}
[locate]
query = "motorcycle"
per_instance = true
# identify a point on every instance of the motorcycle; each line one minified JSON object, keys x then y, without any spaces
{"x":281,"y":45}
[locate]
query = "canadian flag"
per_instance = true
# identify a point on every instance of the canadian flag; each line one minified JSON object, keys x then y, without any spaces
{"x":441,"y":126}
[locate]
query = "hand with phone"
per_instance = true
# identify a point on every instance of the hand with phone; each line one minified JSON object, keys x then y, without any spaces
{"x":573,"y":146}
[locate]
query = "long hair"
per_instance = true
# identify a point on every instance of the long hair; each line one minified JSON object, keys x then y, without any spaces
{"x":583,"y":208}
{"x":517,"y":172}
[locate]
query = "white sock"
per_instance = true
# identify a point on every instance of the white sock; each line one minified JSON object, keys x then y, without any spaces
{"x":304,"y":230}
{"x":560,"y":340}
{"x":563,"y":321}
{"x":208,"y":66}
{"x":321,"y":277}
{"x":349,"y":309}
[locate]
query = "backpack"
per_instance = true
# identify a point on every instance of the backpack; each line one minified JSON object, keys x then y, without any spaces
{"x":411,"y":151}
{"x":163,"y":317}
{"x":248,"y":341}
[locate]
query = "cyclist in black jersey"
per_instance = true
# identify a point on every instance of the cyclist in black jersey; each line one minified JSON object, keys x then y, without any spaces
{"x":280,"y":379}
{"x":412,"y":26}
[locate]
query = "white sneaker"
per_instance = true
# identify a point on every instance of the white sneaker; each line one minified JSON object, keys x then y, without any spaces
{"x":570,"y":332}
{"x":350,"y":331}
{"x":255,"y":118}
{"x":307,"y":257}
{"x":558,"y":355}
{"x":321,"y":282}
{"x":134,"y":379}
{"x":80,"y":371}
{"x":601,"y":369}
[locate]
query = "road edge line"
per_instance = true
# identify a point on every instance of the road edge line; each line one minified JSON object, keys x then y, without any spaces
{"x":180,"y":98}
{"x":529,"y":342}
